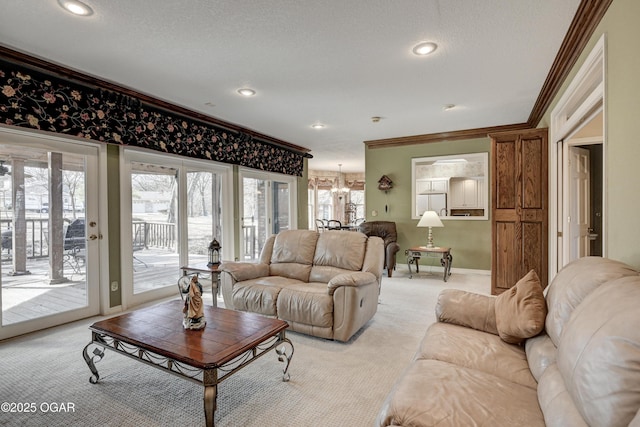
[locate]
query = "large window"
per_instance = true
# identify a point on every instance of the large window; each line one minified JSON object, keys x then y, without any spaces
{"x":356,"y":197}
{"x":204,"y":213}
{"x":336,"y":197}
{"x":325,"y":204}
{"x":172,"y":209}
{"x":268,"y":207}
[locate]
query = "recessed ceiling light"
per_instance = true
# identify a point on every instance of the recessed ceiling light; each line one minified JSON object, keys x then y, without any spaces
{"x":317,"y":126}
{"x":76,"y":7}
{"x":245,"y":91}
{"x":424,"y":48}
{"x":449,"y":107}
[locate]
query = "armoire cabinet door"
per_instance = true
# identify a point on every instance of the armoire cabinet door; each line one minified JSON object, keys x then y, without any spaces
{"x":519,"y":165}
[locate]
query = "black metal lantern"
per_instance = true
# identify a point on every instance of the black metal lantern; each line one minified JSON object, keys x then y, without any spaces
{"x":214,"y":252}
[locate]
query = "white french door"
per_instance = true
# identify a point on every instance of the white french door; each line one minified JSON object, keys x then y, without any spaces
{"x":268,"y":206}
{"x":50,"y":231}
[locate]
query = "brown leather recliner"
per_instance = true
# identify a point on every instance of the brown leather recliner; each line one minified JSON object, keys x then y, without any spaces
{"x":387,"y":231}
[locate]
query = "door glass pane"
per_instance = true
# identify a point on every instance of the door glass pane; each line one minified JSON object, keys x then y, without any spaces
{"x":254,"y":230}
{"x":204,"y":219}
{"x":154,"y":214}
{"x":42,"y":202}
{"x":281,"y":218}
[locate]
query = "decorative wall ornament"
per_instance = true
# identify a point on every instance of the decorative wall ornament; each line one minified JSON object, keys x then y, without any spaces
{"x":37,"y":100}
{"x":385,"y":183}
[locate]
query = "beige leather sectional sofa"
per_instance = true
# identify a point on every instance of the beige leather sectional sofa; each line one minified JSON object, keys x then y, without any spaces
{"x":323,"y":284}
{"x":582,"y":370}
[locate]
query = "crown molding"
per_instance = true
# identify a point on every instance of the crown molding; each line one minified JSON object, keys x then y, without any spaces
{"x":585,"y":21}
{"x":443,"y":136}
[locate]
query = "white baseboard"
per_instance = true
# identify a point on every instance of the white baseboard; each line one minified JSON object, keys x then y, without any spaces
{"x":440,"y":269}
{"x":112,"y":310}
{"x":470,"y":271}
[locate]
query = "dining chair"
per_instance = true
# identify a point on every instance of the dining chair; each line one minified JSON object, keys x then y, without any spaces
{"x":320,"y":225}
{"x":334,"y":224}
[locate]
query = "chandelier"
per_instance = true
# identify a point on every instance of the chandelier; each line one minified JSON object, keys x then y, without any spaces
{"x":339,"y":188}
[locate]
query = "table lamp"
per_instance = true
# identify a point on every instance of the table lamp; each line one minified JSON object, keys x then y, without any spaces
{"x":430,"y":219}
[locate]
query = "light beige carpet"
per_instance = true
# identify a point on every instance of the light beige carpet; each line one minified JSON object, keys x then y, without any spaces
{"x":332,"y":383}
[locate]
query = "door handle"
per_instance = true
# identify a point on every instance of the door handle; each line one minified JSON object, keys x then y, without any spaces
{"x":94,"y":237}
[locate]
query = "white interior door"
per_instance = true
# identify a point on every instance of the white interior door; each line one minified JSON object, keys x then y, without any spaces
{"x":578,"y":203}
{"x":582,"y":101}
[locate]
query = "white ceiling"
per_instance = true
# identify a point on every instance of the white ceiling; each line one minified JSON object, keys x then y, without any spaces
{"x":339,"y":62}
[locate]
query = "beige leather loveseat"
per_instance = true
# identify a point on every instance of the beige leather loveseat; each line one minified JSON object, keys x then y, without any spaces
{"x":323,"y":284}
{"x":583,"y":369}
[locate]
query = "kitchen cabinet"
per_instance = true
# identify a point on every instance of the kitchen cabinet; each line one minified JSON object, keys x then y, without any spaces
{"x":465,"y":193}
{"x":432,"y":186}
{"x":431,"y":195}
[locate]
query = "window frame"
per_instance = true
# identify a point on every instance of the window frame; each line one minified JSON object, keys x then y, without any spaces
{"x":129,"y":155}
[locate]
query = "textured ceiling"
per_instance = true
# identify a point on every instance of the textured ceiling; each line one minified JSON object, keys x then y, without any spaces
{"x":331,"y":61}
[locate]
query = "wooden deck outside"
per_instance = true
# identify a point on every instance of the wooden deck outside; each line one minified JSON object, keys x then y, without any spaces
{"x":26,"y":297}
{"x":31,"y":296}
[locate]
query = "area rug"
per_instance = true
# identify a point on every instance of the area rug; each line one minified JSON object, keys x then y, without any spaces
{"x":46,"y":381}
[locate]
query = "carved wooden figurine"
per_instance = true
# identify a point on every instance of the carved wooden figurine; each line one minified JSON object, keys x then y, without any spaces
{"x":193,"y":308}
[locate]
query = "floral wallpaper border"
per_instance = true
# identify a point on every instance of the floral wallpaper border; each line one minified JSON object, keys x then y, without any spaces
{"x":35,"y":100}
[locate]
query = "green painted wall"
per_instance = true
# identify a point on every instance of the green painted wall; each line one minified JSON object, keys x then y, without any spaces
{"x":470,"y":240}
{"x":621,"y":148}
{"x":113,"y":203}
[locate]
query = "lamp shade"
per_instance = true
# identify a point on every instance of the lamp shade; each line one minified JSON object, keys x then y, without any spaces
{"x":430,"y":219}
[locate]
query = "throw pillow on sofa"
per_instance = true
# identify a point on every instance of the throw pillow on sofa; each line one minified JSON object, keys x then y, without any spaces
{"x":521,"y":310}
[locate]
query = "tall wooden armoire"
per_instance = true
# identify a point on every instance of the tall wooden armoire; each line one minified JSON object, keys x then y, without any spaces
{"x":519,"y":208}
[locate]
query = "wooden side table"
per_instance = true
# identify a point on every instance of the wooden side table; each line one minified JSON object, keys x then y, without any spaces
{"x":213,"y":270}
{"x":414,"y":254}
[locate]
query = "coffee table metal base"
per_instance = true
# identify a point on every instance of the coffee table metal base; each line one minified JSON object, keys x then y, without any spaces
{"x":209,"y":378}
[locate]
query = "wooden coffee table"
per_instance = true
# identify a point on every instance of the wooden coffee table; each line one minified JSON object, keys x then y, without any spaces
{"x":155,"y":336}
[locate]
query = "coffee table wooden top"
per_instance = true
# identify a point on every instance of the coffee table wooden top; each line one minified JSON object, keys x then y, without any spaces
{"x":436,"y":249}
{"x":159,"y":329}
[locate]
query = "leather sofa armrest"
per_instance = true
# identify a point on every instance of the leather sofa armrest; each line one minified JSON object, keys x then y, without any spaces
{"x":393,"y":248}
{"x":467,"y":309}
{"x":244,"y":270}
{"x":357,"y":278}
